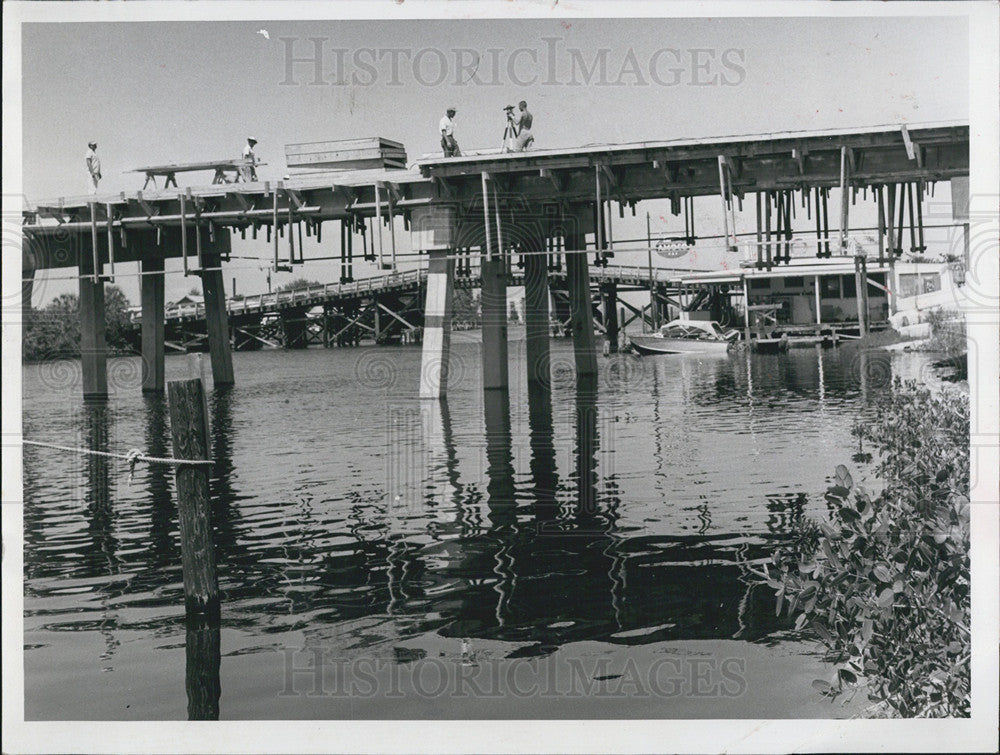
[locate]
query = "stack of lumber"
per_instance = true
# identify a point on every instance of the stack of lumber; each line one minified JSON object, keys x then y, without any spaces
{"x":346,"y":154}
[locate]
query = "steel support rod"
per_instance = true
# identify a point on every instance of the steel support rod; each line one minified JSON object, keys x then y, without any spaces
{"x":844,"y":200}
{"x":920,"y":221}
{"x":746,"y":311}
{"x":486,"y":217}
{"x":496,"y":215}
{"x":274,"y":223}
{"x":93,"y":242}
{"x":392,"y":228}
{"x":378,"y":223}
{"x":725,"y":201}
{"x":760,"y":232}
{"x":111,"y":244}
{"x":599,"y":231}
{"x":652,"y":285}
{"x":880,"y":201}
{"x":611,"y":229}
{"x":819,"y":312}
{"x":184,"y":245}
{"x":197,"y":233}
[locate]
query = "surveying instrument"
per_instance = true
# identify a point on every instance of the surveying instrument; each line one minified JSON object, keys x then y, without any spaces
{"x":510,"y":131}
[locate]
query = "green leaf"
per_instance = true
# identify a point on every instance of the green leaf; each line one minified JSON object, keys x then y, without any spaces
{"x":822,"y":631}
{"x":885,"y":598}
{"x":848,"y":676}
{"x":881,"y":573}
{"x":867,"y":629}
{"x":843,"y":476}
{"x":822,"y":685}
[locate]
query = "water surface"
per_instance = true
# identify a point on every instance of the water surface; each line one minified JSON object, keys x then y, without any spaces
{"x":351,"y":516}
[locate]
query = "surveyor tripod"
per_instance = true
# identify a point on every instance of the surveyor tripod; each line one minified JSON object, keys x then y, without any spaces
{"x":509,"y":133}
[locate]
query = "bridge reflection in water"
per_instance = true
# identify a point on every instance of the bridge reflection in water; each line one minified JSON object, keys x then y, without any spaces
{"x":551,"y":565}
{"x":596,"y":512}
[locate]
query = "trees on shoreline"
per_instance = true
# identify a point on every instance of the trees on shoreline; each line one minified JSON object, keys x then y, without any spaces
{"x":53,"y":331}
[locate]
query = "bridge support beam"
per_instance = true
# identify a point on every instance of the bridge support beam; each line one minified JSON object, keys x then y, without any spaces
{"x":217,"y":322}
{"x":536,"y":317}
{"x":436,"y":352}
{"x":294,"y":329}
{"x":494,"y":315}
{"x":580,"y":308}
{"x":93,"y":348}
{"x":153,"y":325}
{"x":610,"y":306}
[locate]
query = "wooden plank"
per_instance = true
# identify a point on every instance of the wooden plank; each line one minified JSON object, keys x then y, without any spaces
{"x":233,"y":164}
{"x":340,"y":156}
{"x":363,"y":143}
{"x":356,"y":165}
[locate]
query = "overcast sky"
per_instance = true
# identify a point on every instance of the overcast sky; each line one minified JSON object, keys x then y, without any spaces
{"x":176,"y":92}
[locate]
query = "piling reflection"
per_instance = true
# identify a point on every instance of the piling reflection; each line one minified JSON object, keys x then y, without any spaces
{"x":442,"y":462}
{"x":225,"y":515}
{"x":158,"y":477}
{"x":202,"y":664}
{"x":585,"y":453}
{"x":95,"y":433}
{"x":544,"y":474}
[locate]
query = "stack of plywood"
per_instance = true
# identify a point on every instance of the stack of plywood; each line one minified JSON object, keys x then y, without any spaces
{"x":346,"y":154}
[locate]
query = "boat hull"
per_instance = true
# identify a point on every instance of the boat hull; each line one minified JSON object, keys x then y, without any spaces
{"x":657,"y":345}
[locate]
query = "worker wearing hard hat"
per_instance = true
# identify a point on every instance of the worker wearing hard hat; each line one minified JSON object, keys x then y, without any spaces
{"x":248,"y":171}
{"x":447,"y":127}
{"x":93,"y":168}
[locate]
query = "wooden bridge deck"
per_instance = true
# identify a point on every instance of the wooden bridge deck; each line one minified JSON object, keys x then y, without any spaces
{"x":625,"y":277}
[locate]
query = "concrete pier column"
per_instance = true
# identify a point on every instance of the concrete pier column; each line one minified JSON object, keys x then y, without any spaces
{"x":436,"y":352}
{"x":536,"y":317}
{"x":27,"y":289}
{"x":153,"y":325}
{"x":494,"y":315}
{"x":433,"y":230}
{"x":610,"y":295}
{"x":93,"y":348}
{"x":581,"y":310}
{"x":217,"y":322}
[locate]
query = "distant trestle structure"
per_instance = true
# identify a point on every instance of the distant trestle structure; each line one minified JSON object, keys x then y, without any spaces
{"x":388,"y":308}
{"x":538,"y":217}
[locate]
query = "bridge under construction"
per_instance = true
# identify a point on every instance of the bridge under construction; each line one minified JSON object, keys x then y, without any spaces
{"x":542,"y":219}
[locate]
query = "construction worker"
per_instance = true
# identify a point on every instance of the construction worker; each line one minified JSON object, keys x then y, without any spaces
{"x":93,"y":168}
{"x":247,"y":171}
{"x":447,"y":126}
{"x":522,"y":120}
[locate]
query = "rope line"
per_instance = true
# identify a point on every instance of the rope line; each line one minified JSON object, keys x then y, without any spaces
{"x":132,"y":456}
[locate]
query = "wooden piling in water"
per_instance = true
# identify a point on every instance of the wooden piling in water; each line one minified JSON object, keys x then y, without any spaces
{"x":189,"y":432}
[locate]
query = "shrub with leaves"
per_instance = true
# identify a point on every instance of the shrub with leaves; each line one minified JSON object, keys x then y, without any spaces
{"x":884,"y":583}
{"x":947,"y":332}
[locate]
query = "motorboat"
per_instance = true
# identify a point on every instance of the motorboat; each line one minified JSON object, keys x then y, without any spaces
{"x":686,"y":337}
